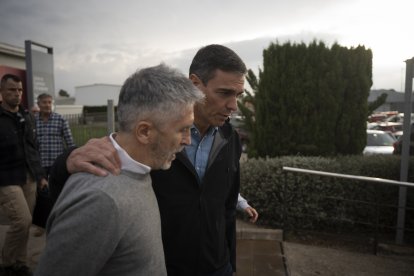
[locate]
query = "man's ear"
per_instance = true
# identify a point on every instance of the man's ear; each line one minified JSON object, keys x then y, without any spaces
{"x":143,"y":131}
{"x":196,"y":80}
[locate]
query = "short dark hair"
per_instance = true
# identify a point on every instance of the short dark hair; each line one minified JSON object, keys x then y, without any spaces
{"x":6,"y":77}
{"x":212,"y":57}
{"x":43,"y":96}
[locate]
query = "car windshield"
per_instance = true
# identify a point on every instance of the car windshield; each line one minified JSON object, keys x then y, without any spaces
{"x":236,"y":121}
{"x":379,"y":139}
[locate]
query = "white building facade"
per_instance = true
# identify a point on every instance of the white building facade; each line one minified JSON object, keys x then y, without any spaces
{"x":12,"y":56}
{"x":97,"y":94}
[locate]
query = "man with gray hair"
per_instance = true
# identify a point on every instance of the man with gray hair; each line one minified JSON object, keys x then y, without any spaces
{"x":98,"y":228}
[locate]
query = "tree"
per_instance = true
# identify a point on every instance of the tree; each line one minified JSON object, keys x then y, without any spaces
{"x":246,"y":106}
{"x":310,"y":100}
{"x":377,"y":103}
{"x":63,"y":93}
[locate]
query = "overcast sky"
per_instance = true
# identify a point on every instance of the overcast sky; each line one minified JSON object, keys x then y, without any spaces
{"x":102,"y":41}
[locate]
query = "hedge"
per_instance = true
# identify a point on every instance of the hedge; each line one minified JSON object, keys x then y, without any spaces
{"x":297,"y":200}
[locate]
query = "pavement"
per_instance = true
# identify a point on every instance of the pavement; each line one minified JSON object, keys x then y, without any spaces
{"x":262,"y":252}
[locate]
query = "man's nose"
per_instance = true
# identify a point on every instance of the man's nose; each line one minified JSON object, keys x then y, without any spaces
{"x":187,"y":139}
{"x":232,"y":104}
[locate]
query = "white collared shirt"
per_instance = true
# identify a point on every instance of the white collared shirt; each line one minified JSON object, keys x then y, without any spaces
{"x":127,"y":163}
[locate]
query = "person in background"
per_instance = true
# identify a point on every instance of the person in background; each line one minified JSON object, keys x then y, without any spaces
{"x":53,"y":132}
{"x":198,"y":195}
{"x":35,"y":109}
{"x":20,"y":171}
{"x":111,"y":225}
{"x":53,"y":137}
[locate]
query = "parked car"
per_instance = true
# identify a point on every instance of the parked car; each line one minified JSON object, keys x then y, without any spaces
{"x":381,"y":116}
{"x":386,"y":126}
{"x":377,"y":118}
{"x":398,"y":134}
{"x":398,"y":143}
{"x":398,"y":118}
{"x":379,"y":142}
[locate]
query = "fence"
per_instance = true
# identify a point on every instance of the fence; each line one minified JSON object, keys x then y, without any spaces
{"x":335,"y":214}
{"x":85,"y":127}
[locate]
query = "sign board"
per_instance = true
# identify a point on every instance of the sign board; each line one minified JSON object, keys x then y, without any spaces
{"x":39,"y":71}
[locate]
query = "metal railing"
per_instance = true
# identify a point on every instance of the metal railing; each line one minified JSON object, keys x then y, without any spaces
{"x":349,"y":176}
{"x":373,"y":227}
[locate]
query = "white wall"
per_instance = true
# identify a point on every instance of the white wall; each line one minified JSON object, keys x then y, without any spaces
{"x":15,"y":62}
{"x":68,"y":109}
{"x":96,"y":94}
{"x":12,"y":56}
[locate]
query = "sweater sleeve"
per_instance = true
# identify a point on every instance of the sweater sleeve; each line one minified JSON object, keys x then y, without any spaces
{"x":82,"y":234}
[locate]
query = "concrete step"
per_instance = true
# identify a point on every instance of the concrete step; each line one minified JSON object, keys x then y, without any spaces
{"x":259,"y":250}
{"x":249,"y":231}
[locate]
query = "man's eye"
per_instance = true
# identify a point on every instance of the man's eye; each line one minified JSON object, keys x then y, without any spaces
{"x":225,"y":93}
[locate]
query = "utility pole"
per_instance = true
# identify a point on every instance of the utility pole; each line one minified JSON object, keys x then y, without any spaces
{"x":405,"y":152}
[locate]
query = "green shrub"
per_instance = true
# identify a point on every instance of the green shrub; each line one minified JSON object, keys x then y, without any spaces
{"x":291,"y":200}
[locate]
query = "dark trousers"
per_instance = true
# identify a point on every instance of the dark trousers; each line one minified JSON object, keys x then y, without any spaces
{"x":47,"y":171}
{"x":44,"y":204}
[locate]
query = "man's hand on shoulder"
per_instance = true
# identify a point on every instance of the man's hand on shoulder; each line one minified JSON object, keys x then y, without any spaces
{"x":95,"y":151}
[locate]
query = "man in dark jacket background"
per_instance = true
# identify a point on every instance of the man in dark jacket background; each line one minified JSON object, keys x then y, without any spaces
{"x":20,"y":170}
{"x":197,"y":197}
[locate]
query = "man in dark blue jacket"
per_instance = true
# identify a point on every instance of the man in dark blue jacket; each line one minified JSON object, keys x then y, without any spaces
{"x":20,"y":170}
{"x":197,"y":197}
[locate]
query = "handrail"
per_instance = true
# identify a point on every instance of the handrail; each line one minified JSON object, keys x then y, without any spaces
{"x":349,"y":176}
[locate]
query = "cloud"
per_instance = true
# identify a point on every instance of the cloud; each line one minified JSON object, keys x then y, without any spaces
{"x":104,"y":41}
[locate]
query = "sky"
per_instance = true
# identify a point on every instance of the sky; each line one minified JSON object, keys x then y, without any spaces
{"x":102,"y":41}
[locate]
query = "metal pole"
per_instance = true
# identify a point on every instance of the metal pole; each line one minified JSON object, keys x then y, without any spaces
{"x":111,"y":116}
{"x":405,"y":152}
{"x":29,"y":74}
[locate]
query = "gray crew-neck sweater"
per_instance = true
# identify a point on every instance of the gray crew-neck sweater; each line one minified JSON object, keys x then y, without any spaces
{"x":104,"y":226}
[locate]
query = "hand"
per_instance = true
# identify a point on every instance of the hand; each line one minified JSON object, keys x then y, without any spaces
{"x":42,"y":184}
{"x":95,"y":151}
{"x":252,"y":213}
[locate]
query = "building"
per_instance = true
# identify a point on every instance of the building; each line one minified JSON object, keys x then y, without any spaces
{"x":12,"y":61}
{"x":395,"y":100}
{"x":12,"y":56}
{"x":97,"y":94}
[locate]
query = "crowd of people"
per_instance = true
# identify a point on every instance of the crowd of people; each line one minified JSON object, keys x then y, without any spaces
{"x":158,"y":197}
